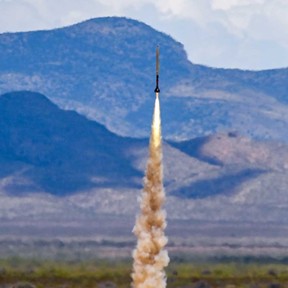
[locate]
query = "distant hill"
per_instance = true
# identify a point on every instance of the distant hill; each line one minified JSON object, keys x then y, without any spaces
{"x":105,"y":69}
{"x":238,"y":162}
{"x":46,"y":151}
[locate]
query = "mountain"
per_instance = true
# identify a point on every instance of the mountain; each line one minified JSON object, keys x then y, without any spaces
{"x":47,"y":152}
{"x":44,"y":148}
{"x":242,"y":165}
{"x":104,"y":68}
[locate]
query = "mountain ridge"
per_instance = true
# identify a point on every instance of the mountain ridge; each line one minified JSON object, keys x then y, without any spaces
{"x":64,"y":148}
{"x":55,"y":161}
{"x":114,"y":70}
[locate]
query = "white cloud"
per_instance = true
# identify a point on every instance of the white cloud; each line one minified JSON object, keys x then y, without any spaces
{"x":222,"y":33}
{"x":227,"y":5}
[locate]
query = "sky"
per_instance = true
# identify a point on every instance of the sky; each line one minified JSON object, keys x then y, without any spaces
{"x":245,"y":34}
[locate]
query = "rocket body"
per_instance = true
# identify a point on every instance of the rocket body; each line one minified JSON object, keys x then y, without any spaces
{"x":157,"y":89}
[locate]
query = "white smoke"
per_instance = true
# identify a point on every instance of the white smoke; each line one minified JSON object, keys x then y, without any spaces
{"x":149,"y":256}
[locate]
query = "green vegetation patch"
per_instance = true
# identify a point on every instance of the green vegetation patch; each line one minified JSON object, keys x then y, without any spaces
{"x":31,"y":273}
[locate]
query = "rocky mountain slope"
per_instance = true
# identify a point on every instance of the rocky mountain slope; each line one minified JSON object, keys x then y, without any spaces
{"x":104,"y":68}
{"x":46,"y":149}
{"x":61,"y":153}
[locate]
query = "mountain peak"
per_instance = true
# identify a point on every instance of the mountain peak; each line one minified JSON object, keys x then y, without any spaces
{"x":115,"y":23}
{"x":23,"y":105}
{"x":26,"y":100}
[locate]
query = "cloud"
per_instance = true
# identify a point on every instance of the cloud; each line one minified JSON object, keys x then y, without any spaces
{"x":235,"y":33}
{"x":222,"y":33}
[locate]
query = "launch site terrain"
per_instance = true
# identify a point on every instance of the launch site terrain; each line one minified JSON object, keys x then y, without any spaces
{"x":75,"y":116}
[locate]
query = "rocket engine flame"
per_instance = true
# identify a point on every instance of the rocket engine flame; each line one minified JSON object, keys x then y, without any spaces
{"x":149,"y":256}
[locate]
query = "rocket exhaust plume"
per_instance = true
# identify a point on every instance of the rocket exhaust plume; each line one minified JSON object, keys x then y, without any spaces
{"x":150,"y":258}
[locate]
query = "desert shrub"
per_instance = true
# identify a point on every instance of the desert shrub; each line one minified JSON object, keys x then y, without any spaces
{"x":23,"y":285}
{"x":202,"y":284}
{"x":107,"y":284}
{"x":274,"y":285}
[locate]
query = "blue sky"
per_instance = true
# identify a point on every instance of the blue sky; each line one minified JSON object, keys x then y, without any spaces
{"x":246,"y":34}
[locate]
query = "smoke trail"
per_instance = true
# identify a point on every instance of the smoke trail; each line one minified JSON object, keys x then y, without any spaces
{"x":149,"y":256}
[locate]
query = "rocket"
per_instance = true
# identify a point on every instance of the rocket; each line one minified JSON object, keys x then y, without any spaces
{"x":157,"y":89}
